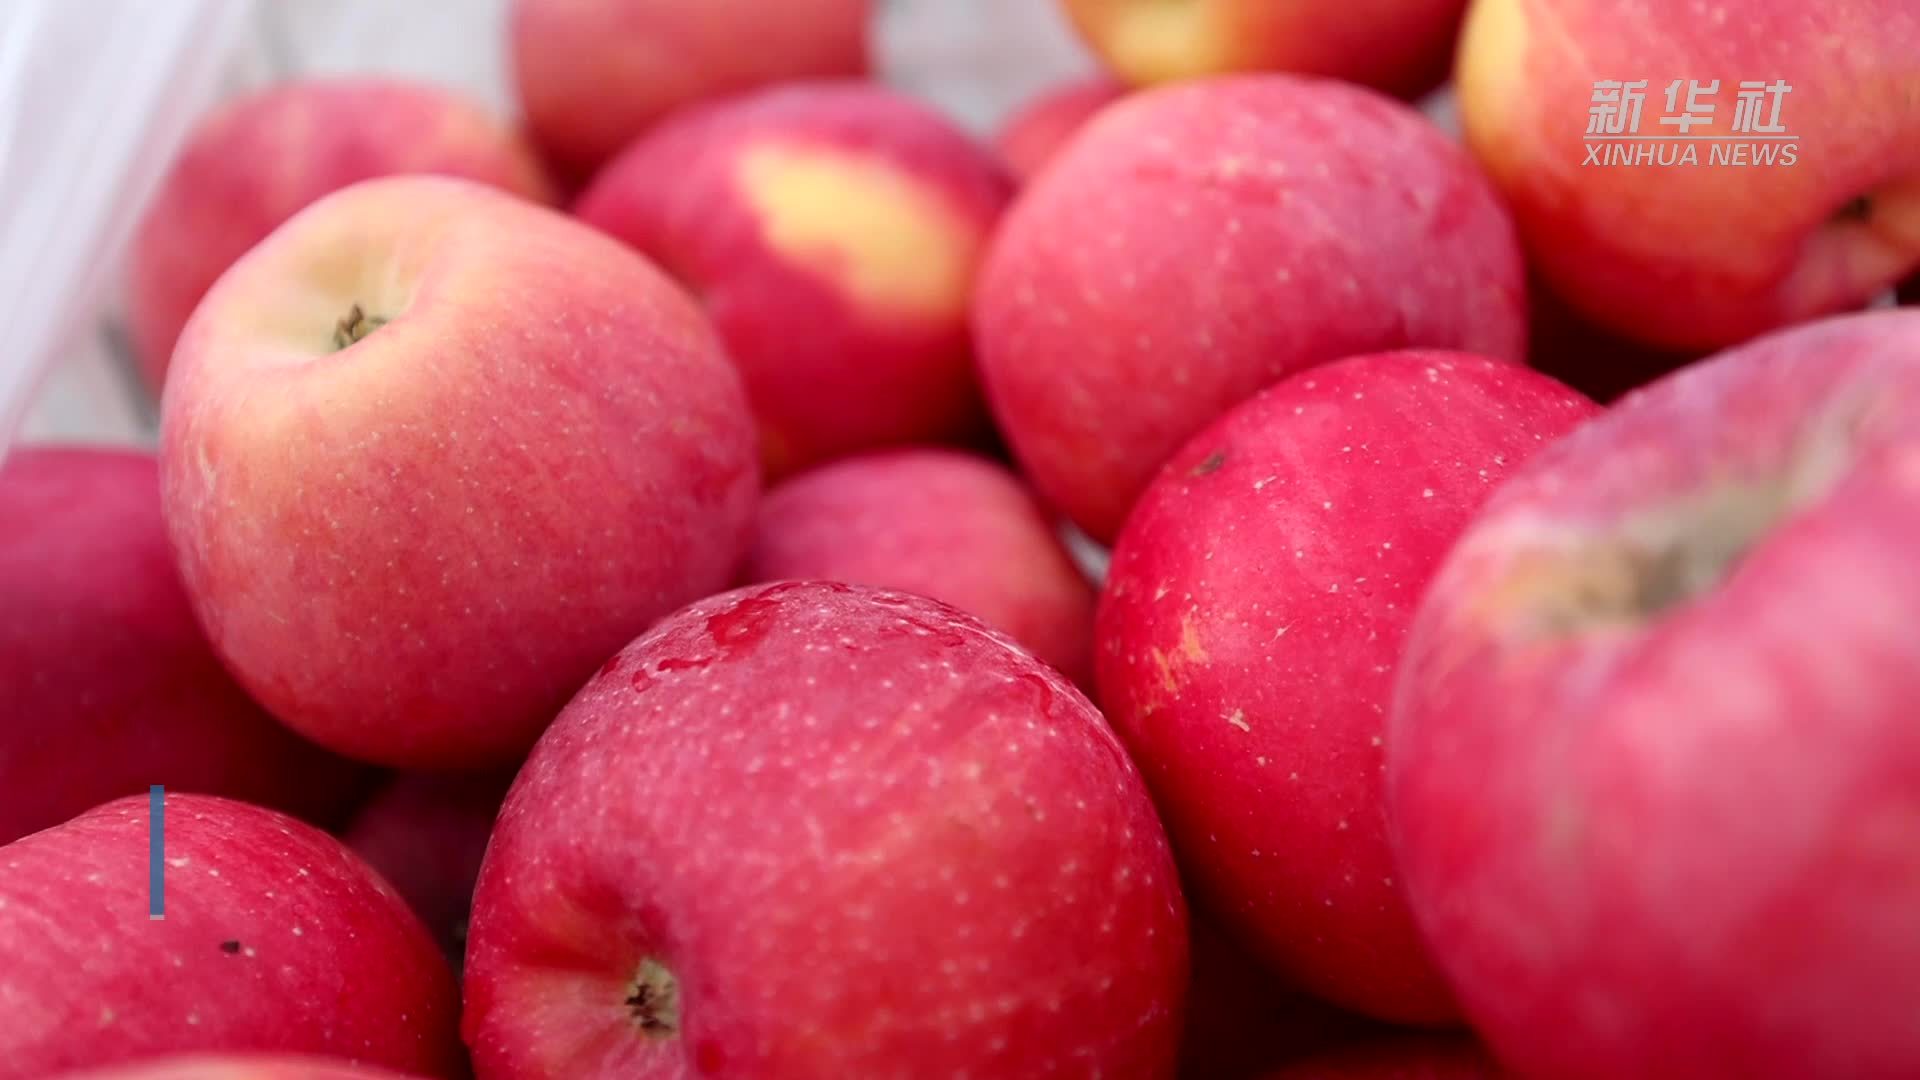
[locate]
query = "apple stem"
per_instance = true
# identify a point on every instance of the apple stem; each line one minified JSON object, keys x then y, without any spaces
{"x":653,"y":999}
{"x":356,"y":325}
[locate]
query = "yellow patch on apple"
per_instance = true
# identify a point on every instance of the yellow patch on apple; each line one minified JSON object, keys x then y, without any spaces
{"x":890,"y":241}
{"x":1160,"y":42}
{"x":1490,"y":75}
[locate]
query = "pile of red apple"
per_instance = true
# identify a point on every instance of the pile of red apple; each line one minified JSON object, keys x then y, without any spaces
{"x":676,"y":518}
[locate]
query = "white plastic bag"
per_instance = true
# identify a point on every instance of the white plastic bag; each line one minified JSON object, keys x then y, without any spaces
{"x":96,"y":95}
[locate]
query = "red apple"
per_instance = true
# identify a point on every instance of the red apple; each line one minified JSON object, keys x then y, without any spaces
{"x":1760,"y":229}
{"x":275,"y":937}
{"x":1195,"y":243}
{"x":1402,"y":46}
{"x":1653,"y":766}
{"x":1250,"y":625}
{"x":262,"y":158}
{"x":1404,"y":1057}
{"x":593,"y":74}
{"x":940,"y":523}
{"x":426,"y":834}
{"x":833,"y":231}
{"x":816,"y":830}
{"x":109,"y":686}
{"x":239,"y":1067}
{"x":1031,"y":136}
{"x":431,"y":454}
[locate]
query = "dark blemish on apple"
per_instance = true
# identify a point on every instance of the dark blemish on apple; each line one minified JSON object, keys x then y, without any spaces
{"x":1859,"y":208}
{"x":1211,"y":464}
{"x":231,"y":948}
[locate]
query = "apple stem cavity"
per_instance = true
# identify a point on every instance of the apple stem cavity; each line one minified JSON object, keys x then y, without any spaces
{"x":357,"y":324}
{"x":1685,"y":551}
{"x":1700,"y":555}
{"x":653,"y":1000}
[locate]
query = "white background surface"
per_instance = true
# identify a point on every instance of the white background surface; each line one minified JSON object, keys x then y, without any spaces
{"x":975,"y":58}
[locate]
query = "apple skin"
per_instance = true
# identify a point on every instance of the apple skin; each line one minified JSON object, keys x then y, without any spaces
{"x":1032,"y":135}
{"x":1400,"y":1057}
{"x":593,"y":75}
{"x":925,"y":855}
{"x":258,"y":160}
{"x":940,"y":523}
{"x":1198,"y":242}
{"x":109,"y":684}
{"x":1698,"y":783}
{"x":1403,"y":47}
{"x":1250,"y":625}
{"x":849,"y":210}
{"x":276,"y":937}
{"x":415,"y":549}
{"x":426,"y":834}
{"x":1700,"y":257}
{"x":239,"y":1067}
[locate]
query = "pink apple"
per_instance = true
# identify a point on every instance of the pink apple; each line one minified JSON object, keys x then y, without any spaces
{"x":1031,"y":136}
{"x":426,"y":834}
{"x":833,"y":230}
{"x":1762,"y":228}
{"x":1653,"y":766}
{"x":1403,"y":1057}
{"x":594,"y":74}
{"x":260,"y":159}
{"x":239,"y":1067}
{"x":1402,"y":46}
{"x":107,"y":682}
{"x":275,"y":937}
{"x":940,"y":523}
{"x":431,"y":454}
{"x":1195,"y":243}
{"x":815,"y":830}
{"x":1250,"y":626}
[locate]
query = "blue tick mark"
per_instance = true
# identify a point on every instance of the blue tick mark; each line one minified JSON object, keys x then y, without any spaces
{"x":156,"y":852}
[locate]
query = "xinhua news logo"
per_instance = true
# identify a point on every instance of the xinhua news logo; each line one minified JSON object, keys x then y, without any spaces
{"x":1690,"y":130}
